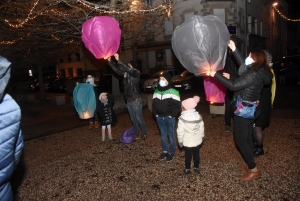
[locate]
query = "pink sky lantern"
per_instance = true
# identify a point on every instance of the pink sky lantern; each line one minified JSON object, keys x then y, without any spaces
{"x":101,"y":35}
{"x":214,"y":91}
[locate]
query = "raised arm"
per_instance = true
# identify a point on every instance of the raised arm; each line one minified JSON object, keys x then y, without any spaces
{"x":132,"y":71}
{"x":238,"y":84}
{"x":115,"y":67}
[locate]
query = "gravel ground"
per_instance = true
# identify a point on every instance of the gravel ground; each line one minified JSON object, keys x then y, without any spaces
{"x":76,"y":165}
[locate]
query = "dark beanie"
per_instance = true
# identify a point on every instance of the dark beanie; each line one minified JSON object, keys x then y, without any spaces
{"x":133,"y":64}
{"x":167,"y":76}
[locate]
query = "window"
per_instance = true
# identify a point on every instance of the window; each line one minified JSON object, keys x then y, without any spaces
{"x":168,"y":27}
{"x":63,"y":73}
{"x":70,"y":72}
{"x":249,"y":24}
{"x":79,"y":71}
{"x":188,"y":15}
{"x":149,"y":2}
{"x":220,"y":13}
{"x":255,"y":26}
{"x":261,"y":28}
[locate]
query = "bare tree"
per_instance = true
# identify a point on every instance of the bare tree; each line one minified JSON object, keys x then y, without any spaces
{"x":53,"y":27}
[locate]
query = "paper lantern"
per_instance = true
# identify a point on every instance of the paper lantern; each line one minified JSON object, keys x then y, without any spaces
{"x":214,"y":91}
{"x":84,"y":100}
{"x":101,"y":35}
{"x":200,"y":44}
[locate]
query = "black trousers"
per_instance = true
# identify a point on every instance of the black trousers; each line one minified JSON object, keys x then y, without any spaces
{"x":228,"y":111}
{"x":192,"y":152}
{"x":242,"y":129}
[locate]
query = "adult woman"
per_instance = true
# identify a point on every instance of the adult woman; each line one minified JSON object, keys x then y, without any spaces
{"x":266,"y":103}
{"x":248,"y":87}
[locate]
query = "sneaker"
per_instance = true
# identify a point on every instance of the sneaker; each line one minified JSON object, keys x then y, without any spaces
{"x":187,"y":171}
{"x":170,"y":157}
{"x":110,"y":137}
{"x":196,"y":170}
{"x":162,"y":156}
{"x":227,"y":129}
{"x":144,"y":137}
{"x":136,"y":137}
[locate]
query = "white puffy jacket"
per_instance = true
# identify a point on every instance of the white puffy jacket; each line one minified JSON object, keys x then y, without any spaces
{"x":190,"y":130}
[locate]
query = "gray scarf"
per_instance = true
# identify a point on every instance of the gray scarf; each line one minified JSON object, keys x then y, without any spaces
{"x":104,"y":101}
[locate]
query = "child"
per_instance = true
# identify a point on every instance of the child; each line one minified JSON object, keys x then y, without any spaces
{"x":166,"y":105}
{"x":190,"y":133}
{"x":106,"y":113}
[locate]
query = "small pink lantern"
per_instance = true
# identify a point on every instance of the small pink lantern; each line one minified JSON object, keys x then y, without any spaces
{"x":101,"y":35}
{"x":214,"y":90}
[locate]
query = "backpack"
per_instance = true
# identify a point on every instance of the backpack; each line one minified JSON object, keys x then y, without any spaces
{"x":128,"y":136}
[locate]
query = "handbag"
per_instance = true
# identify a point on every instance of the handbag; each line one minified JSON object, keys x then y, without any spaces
{"x":245,"y":109}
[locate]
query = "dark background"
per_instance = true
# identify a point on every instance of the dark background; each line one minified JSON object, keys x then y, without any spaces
{"x":294,"y":9}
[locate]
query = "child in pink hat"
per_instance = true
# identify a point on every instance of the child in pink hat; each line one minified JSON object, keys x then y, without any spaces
{"x":190,"y":133}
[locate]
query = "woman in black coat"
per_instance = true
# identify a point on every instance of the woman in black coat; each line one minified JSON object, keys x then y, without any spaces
{"x":248,"y":87}
{"x":265,"y":103}
{"x":106,"y":113}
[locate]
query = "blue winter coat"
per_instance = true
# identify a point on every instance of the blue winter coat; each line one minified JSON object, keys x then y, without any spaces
{"x":11,"y":138}
{"x":11,"y":143}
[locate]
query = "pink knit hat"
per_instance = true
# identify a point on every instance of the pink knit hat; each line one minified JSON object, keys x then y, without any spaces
{"x":190,"y":103}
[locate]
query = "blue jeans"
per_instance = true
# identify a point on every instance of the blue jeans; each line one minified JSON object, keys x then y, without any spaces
{"x":135,"y":110}
{"x":166,"y":127}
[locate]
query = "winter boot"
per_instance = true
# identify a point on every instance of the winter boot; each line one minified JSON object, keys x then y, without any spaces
{"x":91,"y":125}
{"x":96,"y":124}
{"x":259,"y":151}
{"x":110,"y":136}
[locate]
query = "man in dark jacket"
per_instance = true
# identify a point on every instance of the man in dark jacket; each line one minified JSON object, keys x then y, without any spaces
{"x":11,"y":138}
{"x":132,"y":93}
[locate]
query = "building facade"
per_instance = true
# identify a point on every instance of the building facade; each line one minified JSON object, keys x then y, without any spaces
{"x":251,"y":24}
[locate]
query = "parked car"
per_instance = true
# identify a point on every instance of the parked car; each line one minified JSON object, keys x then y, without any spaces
{"x":35,"y":84}
{"x":57,"y":85}
{"x":152,"y":82}
{"x":187,"y":80}
{"x":105,"y":83}
{"x":143,"y":78}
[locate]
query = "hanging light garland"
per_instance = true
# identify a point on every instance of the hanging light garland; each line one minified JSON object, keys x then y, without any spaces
{"x":26,"y":20}
{"x":7,"y":42}
{"x":101,"y":9}
{"x":282,"y":15}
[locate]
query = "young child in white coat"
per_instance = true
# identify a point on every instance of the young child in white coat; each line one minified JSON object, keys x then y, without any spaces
{"x":190,"y":133}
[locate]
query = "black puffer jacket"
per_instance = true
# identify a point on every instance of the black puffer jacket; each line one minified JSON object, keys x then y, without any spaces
{"x":131,"y":79}
{"x":106,"y":112}
{"x":249,"y":85}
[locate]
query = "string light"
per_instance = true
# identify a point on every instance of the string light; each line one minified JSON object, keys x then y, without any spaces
{"x":101,"y":9}
{"x":27,"y":19}
{"x":58,"y":17}
{"x":283,"y":16}
{"x":7,"y":42}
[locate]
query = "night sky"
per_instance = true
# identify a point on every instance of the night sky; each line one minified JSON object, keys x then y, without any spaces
{"x":294,"y":10}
